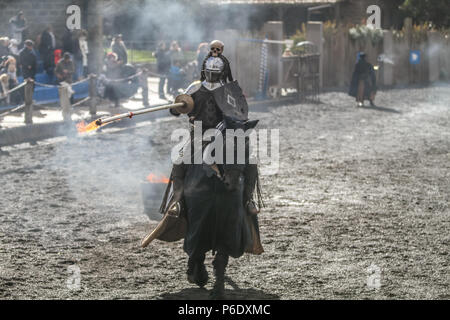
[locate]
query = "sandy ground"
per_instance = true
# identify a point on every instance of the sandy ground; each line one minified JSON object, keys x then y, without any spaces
{"x":359,"y":209}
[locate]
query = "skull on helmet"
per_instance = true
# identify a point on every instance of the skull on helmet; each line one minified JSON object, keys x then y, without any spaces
{"x":216,"y":48}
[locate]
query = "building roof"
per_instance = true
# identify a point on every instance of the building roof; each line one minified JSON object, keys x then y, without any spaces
{"x":270,"y":1}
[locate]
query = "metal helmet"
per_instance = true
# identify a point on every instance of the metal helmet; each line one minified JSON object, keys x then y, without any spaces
{"x":214,"y":70}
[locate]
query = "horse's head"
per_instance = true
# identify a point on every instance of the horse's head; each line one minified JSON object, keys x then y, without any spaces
{"x":239,"y":140}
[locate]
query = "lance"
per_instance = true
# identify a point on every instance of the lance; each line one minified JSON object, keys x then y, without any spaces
{"x":183,"y":104}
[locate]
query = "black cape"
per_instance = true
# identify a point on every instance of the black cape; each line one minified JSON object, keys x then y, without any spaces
{"x":363,"y":71}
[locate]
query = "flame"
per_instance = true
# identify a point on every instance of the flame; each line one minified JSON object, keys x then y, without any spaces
{"x":157,"y":178}
{"x":83,"y":128}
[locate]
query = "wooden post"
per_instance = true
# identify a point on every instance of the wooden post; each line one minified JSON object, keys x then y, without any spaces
{"x":144,"y":86}
{"x":95,"y":35}
{"x":434,"y":47}
{"x":29,"y":90}
{"x":92,"y":95}
{"x":274,"y":31}
{"x":314,"y":33}
{"x":408,"y":33}
{"x":388,"y":69}
{"x":64,"y":100}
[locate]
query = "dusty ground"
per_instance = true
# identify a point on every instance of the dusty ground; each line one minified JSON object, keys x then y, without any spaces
{"x":362,"y":196}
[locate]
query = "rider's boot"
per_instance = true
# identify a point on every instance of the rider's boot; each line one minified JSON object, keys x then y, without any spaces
{"x":250,"y":178}
{"x":220,"y":263}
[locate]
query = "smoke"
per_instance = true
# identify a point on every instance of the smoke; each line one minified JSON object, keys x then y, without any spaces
{"x":385,"y":59}
{"x":107,"y":169}
{"x":188,"y":21}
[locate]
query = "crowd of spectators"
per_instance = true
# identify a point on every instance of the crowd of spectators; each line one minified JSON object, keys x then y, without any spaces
{"x":66,"y":60}
{"x":172,"y":68}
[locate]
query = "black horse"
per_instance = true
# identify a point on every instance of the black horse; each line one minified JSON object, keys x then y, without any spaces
{"x":214,"y":209}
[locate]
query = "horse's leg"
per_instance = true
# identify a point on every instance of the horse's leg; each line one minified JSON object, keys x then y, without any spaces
{"x":220,"y":263}
{"x":250,"y":177}
{"x":196,"y":272}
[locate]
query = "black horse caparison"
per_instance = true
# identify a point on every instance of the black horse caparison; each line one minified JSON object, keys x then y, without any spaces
{"x":215,"y":213}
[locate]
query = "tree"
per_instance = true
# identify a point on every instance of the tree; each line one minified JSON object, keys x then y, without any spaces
{"x":435,"y":11}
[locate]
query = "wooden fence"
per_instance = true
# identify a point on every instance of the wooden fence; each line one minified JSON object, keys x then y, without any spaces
{"x":340,"y":52}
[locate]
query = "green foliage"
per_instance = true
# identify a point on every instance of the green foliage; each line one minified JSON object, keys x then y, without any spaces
{"x":419,"y":32}
{"x":298,"y":37}
{"x":364,"y":33}
{"x":329,"y":29}
{"x":436,"y":12}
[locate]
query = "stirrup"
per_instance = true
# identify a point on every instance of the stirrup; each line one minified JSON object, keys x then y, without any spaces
{"x":174,"y":209}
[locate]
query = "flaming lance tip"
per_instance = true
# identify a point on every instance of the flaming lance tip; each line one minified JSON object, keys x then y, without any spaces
{"x":183,"y":104}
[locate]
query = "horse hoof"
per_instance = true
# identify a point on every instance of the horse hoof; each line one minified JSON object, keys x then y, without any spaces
{"x":201,"y":275}
{"x":198,"y":275}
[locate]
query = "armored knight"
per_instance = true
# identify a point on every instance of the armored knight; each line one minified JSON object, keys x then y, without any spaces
{"x":208,"y":95}
{"x":215,"y":73}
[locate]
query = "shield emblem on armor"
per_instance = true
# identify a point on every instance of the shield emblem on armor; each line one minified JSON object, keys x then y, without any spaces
{"x":231,"y":101}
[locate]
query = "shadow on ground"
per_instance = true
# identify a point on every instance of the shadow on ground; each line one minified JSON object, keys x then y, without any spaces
{"x":230,"y":294}
{"x":379,"y":108}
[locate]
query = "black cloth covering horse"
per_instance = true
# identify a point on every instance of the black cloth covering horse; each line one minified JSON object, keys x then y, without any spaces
{"x":215,"y":212}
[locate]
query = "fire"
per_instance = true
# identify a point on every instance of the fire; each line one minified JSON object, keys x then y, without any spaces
{"x":157,"y":178}
{"x":83,"y":128}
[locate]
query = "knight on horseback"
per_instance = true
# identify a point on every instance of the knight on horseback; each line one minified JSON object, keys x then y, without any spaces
{"x":230,"y":228}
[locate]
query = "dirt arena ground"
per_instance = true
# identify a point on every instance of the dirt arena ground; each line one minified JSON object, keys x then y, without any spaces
{"x":359,"y":209}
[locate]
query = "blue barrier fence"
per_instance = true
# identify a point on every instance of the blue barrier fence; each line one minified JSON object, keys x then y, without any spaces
{"x":49,"y":94}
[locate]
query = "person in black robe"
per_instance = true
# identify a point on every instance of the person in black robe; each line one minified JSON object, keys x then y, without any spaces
{"x":67,"y":41}
{"x":28,"y":60}
{"x":46,"y":49}
{"x":118,"y":47}
{"x":162,"y":56}
{"x":363,"y":84}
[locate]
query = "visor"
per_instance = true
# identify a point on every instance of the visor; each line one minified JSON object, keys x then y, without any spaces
{"x":212,"y":75}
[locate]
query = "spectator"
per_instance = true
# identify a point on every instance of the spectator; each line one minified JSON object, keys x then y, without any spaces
{"x":8,"y":79}
{"x":176,"y":55}
{"x":46,"y":49}
{"x":14,"y":52}
{"x":202,"y":52}
{"x":113,"y":89}
{"x":162,"y":56}
{"x":17,"y":27}
{"x":119,"y":48}
{"x":14,"y":48}
{"x":77,"y":55}
{"x":83,"y":44}
{"x":28,"y":60}
{"x":65,"y":69}
{"x":67,"y":41}
{"x":4,"y":46}
{"x":58,"y":55}
{"x":175,"y":78}
{"x":112,"y":71}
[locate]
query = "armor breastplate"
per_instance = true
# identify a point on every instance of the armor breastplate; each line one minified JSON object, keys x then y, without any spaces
{"x":206,"y":109}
